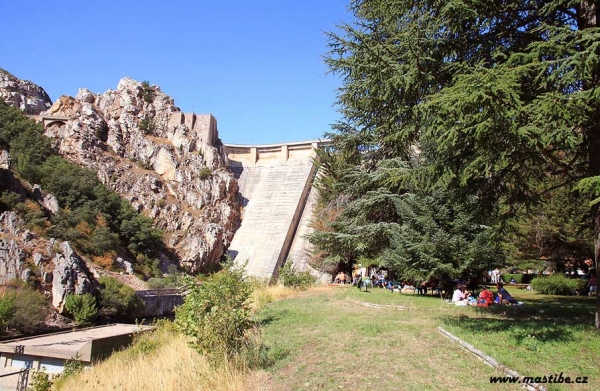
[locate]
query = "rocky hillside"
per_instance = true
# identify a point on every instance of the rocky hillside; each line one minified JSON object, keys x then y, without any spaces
{"x":169,"y":165}
{"x":30,"y":98}
{"x":56,"y":266}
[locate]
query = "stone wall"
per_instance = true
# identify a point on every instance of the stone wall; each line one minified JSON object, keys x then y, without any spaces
{"x":160,"y":302}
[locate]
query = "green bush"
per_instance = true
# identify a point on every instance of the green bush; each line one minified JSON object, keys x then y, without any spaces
{"x":7,"y":310}
{"x":30,"y":311}
{"x":82,"y":307}
{"x":40,"y":381}
{"x":157,"y":283}
{"x":72,"y":366}
{"x":163,"y":283}
{"x":292,"y":277}
{"x":519,"y":278}
{"x":216,"y":314}
{"x":205,"y":172}
{"x":119,"y":300}
{"x":147,"y":125}
{"x":148,"y":92}
{"x":555,"y":284}
{"x":9,"y":200}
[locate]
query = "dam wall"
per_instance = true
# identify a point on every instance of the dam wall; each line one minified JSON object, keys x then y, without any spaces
{"x":275,"y":185}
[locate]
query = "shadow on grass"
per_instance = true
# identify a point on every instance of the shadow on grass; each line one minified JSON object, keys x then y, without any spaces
{"x":519,"y":333}
{"x":542,"y":319}
{"x":268,"y":316}
{"x":557,"y":309}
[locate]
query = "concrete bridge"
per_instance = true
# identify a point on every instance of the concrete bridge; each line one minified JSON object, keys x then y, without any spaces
{"x":275,"y":184}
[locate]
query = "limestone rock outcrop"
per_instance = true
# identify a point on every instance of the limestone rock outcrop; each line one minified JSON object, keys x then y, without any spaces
{"x":23,"y":94}
{"x":70,"y":276}
{"x":5,"y":161}
{"x":168,"y":164}
{"x":24,"y":255}
{"x":12,"y":257}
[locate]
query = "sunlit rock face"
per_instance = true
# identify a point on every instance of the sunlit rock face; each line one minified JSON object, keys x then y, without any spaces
{"x":23,"y":94}
{"x":168,"y":164}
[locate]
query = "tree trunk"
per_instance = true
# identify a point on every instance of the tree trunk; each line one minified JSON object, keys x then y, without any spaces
{"x":588,"y":18}
{"x":596,"y":215}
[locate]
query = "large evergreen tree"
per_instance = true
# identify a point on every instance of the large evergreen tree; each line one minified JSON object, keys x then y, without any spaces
{"x":499,"y":98}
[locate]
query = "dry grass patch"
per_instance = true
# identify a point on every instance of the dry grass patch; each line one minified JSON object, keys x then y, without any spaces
{"x":264,"y":294}
{"x":161,"y":361}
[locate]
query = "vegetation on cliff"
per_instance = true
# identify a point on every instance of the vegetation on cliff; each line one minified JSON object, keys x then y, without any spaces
{"x":96,"y":220}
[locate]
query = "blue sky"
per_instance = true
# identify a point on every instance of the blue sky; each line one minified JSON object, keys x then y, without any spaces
{"x":256,"y":65}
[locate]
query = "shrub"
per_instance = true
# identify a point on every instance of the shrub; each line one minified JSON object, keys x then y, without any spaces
{"x":7,"y":310}
{"x":157,"y":283}
{"x":40,"y":381}
{"x":216,"y":314}
{"x":147,"y":125}
{"x":118,"y":299}
{"x":205,"y":172}
{"x":171,"y":281}
{"x":82,"y":307}
{"x":148,"y":92}
{"x":30,"y":311}
{"x":72,"y":366}
{"x":555,"y":284}
{"x":9,"y":200}
{"x":292,"y":277}
{"x":519,"y":278}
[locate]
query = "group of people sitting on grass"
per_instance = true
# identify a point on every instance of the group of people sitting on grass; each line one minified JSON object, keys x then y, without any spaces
{"x":486,"y":298}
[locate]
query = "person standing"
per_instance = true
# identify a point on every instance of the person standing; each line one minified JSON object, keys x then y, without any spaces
{"x":495,"y":276}
{"x":593,"y":284}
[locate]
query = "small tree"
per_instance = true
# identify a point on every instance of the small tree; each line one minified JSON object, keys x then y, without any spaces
{"x":82,"y":307}
{"x":118,"y":299}
{"x":31,"y":309}
{"x":7,"y":310}
{"x":216,"y":314}
{"x":148,"y":92}
{"x":147,"y":125}
{"x":292,"y":277}
{"x":40,"y":381}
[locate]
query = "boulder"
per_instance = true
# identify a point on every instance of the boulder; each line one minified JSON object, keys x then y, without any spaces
{"x":70,"y":276}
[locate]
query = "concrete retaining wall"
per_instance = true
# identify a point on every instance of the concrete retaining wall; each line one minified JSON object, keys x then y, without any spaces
{"x":160,"y":302}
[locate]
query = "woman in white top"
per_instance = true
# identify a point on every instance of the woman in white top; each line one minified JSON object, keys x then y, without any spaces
{"x":461,"y":296}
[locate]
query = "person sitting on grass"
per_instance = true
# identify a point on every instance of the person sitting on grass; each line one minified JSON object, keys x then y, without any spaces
{"x":503,"y":296}
{"x":461,"y":296}
{"x":486,"y":297}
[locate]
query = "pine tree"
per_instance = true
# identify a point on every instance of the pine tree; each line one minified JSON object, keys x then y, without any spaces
{"x":497,"y":98}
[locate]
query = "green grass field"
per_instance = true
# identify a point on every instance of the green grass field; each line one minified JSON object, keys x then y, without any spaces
{"x":327,"y":339}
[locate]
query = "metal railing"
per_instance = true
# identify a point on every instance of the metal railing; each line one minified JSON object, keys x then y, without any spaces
{"x":21,"y":383}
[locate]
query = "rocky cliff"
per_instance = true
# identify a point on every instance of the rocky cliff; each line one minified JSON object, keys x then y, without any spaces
{"x":55,"y":265}
{"x":168,"y":164}
{"x":29,"y":97}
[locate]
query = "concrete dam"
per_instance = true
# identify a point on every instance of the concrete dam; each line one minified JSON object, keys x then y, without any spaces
{"x":275,"y":183}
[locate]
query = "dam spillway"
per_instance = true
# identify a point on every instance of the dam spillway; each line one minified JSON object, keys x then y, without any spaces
{"x":275,"y":184}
